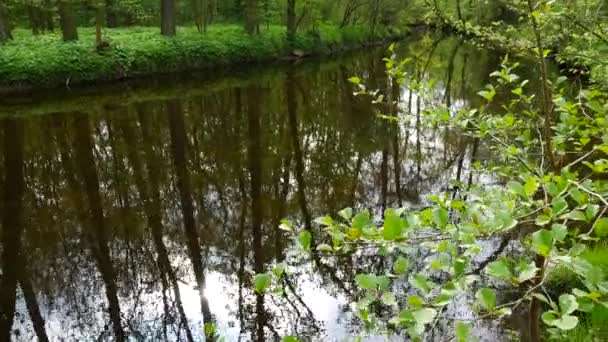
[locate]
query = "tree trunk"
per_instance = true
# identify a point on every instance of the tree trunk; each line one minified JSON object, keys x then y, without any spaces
{"x":167,"y":14}
{"x":67,"y":21}
{"x":86,"y":160}
{"x":251,"y":16}
{"x":33,"y":307}
{"x":291,"y":21}
{"x":32,"y":13}
{"x":111,"y":17}
{"x":179,"y":152}
{"x":5,"y":27}
{"x":149,"y":194}
{"x":48,"y":16}
{"x":459,"y":10}
{"x":12,"y":222}
{"x":197,"y":13}
{"x":98,"y":20}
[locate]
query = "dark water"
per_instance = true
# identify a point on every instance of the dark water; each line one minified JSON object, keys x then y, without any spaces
{"x":138,"y":209}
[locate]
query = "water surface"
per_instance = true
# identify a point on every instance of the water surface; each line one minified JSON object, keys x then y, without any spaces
{"x":143,"y":209}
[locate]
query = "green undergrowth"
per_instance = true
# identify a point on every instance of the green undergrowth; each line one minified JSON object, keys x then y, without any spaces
{"x":593,"y":325}
{"x":562,"y":279}
{"x":46,"y":60}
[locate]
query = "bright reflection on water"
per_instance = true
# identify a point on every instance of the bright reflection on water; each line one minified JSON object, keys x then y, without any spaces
{"x":122,"y":202}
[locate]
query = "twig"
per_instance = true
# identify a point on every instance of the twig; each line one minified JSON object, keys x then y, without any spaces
{"x":595,"y":194}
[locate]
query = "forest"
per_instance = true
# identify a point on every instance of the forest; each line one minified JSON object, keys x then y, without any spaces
{"x":304,"y":170}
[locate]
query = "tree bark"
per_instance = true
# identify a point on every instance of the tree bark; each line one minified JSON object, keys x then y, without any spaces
{"x":5,"y":26}
{"x":86,"y":161}
{"x":67,"y":21}
{"x":167,"y":15}
{"x":179,"y":152}
{"x":111,"y":17}
{"x":251,"y":16}
{"x":12,"y":222}
{"x":149,"y":194}
{"x":291,"y":21}
{"x":32,"y":307}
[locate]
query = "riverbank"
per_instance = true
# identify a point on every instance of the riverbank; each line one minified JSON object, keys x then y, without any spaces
{"x":45,"y":61}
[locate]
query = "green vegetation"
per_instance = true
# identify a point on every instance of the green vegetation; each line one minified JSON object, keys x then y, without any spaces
{"x":540,"y":141}
{"x":109,"y":40}
{"x":548,"y":148}
{"x":46,"y":60}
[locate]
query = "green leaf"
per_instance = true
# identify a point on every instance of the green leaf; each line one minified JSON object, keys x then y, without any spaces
{"x":542,"y":242}
{"x":576,"y":215}
{"x":601,"y":227}
{"x":346,"y":213}
{"x":559,"y":231}
{"x":531,"y":186}
{"x":324,"y":248}
{"x":392,"y":225}
{"x":567,"y":304}
{"x":441,"y":217}
{"x":361,"y":220}
{"x":420,"y":282}
{"x":499,"y":269}
{"x":210,"y":329}
{"x":424,"y":316}
{"x":559,"y":205}
{"x":486,"y":297}
{"x":290,"y":339}
{"x":262,"y":282}
{"x":526,"y":271}
{"x":388,"y":298}
{"x":542,"y":220}
{"x":585,"y":304}
{"x":383,"y":283}
{"x":279,"y":270}
{"x":591,"y":211}
{"x":415,"y":301}
{"x":549,"y":317}
{"x":286,"y":226}
{"x":366,"y":281}
{"x":517,"y":188}
{"x":324,"y":221}
{"x":305,"y":239}
{"x":463,"y":330}
{"x":566,"y":322}
{"x":355,"y":80}
{"x":401,"y":265}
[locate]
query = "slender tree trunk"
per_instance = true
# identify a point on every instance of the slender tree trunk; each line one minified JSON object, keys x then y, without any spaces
{"x":167,"y":15}
{"x":111,"y":17}
{"x":86,"y":161}
{"x":12,"y":222}
{"x":180,"y":161}
{"x":48,"y":16}
{"x":197,"y":13}
{"x":291,"y":21}
{"x":384,"y":177}
{"x":32,"y":13}
{"x":151,"y":199}
{"x":459,"y":10}
{"x":255,"y":170}
{"x":32,"y":306}
{"x":67,"y":20}
{"x":251,"y":16}
{"x":5,"y":26}
{"x":98,"y":21}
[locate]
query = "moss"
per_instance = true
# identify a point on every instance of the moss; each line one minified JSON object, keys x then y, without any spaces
{"x":43,"y":61}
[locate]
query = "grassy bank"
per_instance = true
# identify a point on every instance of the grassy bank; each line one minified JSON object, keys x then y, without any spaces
{"x":46,"y":61}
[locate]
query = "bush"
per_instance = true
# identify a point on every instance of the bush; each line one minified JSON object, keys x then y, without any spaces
{"x":46,"y":60}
